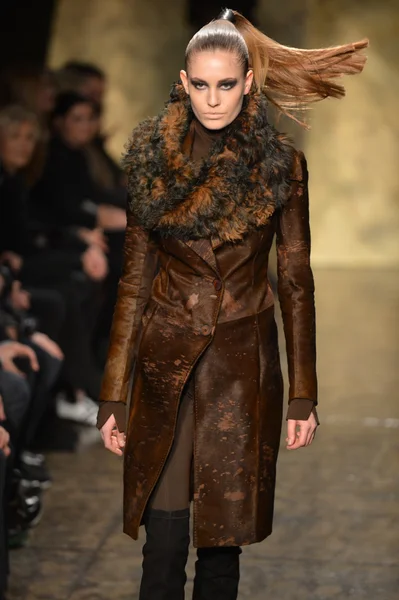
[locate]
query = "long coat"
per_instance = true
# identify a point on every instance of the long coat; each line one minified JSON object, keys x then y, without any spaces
{"x":206,"y":304}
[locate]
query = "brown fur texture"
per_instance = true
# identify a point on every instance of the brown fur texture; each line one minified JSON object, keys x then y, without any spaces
{"x":246,"y":177}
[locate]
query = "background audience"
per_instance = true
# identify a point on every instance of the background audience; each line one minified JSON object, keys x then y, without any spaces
{"x":62,"y":222}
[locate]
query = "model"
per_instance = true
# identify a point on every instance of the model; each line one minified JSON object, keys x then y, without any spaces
{"x":194,"y":337}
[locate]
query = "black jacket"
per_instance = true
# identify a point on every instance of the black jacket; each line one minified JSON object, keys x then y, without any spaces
{"x":66,"y":195}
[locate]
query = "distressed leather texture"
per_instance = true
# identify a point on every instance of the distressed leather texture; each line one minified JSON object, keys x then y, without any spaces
{"x":209,"y":307}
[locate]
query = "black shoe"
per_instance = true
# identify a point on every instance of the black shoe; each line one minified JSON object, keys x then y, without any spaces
{"x":30,"y":506}
{"x":17,"y":537}
{"x":165,"y":555}
{"x":33,"y":469}
{"x":217,"y":573}
{"x":25,"y":508}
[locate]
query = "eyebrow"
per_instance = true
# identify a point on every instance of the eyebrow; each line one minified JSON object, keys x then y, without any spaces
{"x":221,"y":82}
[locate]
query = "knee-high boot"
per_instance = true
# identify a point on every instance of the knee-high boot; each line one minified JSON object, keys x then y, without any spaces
{"x":165,"y":555}
{"x":217,"y":573}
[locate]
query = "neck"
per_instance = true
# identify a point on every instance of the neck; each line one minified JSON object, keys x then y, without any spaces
{"x":210,"y":132}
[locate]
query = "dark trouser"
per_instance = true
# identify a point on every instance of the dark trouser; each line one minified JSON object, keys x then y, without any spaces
{"x":81,"y":300}
{"x":16,"y":399}
{"x":49,"y":308}
{"x":80,"y":369}
{"x":3,"y":541}
{"x":42,"y":384}
{"x":167,"y":526}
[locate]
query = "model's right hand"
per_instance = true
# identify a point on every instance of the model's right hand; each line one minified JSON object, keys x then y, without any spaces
{"x":112,"y":438}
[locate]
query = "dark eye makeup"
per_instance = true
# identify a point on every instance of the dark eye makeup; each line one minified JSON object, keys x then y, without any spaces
{"x":224,"y":84}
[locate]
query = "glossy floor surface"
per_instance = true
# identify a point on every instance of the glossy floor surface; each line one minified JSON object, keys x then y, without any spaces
{"x":336,"y":532}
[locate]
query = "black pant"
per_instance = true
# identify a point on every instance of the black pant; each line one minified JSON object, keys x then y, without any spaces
{"x":41,"y":383}
{"x":81,"y":298}
{"x":48,"y":306}
{"x":4,"y":568}
{"x":80,"y":370}
{"x":16,"y":395}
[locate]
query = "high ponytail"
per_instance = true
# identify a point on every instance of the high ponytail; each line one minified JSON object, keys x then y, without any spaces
{"x":291,"y":78}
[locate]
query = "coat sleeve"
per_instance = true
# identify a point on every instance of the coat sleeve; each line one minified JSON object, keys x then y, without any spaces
{"x":139,"y":268}
{"x":296,"y":295}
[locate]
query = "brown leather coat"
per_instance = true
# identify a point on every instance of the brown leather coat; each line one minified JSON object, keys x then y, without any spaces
{"x":213,"y":308}
{"x":206,"y":304}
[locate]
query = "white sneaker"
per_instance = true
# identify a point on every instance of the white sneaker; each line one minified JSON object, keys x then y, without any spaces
{"x":82,"y":411}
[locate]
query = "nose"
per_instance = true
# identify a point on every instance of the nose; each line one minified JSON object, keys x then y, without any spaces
{"x":213,"y":98}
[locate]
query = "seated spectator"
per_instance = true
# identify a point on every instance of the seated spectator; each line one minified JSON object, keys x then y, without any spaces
{"x":68,"y":196}
{"x":4,"y":567}
{"x":34,"y":89}
{"x":84,"y":78}
{"x":90,"y":81}
{"x":19,"y":337}
{"x":17,"y":510}
{"x":58,"y":269}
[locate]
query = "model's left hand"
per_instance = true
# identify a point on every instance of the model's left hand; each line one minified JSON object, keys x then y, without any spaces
{"x":301,"y":433}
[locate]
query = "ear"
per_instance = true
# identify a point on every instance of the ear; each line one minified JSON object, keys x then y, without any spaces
{"x":248,"y":81}
{"x":184,"y":79}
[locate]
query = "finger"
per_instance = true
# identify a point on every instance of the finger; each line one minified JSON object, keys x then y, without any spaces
{"x":301,"y":438}
{"x":115,"y":450}
{"x":115,"y":441}
{"x":34,"y":363}
{"x":110,"y":440}
{"x":115,"y":446}
{"x":27,"y":351}
{"x":291,"y":428}
{"x":309,"y":436}
{"x":106,"y":435}
{"x":121,"y":438}
{"x":312,"y":438}
{"x":56,"y":350}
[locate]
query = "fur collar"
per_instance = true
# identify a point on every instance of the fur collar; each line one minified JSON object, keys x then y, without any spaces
{"x":236,"y":189}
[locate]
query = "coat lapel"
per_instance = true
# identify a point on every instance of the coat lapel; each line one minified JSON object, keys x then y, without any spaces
{"x":204,"y":249}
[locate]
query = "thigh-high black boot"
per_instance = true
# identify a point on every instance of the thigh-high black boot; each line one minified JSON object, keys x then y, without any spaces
{"x":165,"y":555}
{"x":217,"y":573}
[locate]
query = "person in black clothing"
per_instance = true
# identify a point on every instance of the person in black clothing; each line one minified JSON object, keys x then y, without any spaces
{"x":68,"y":196}
{"x":58,"y":270}
{"x":4,"y":569}
{"x":90,"y":81}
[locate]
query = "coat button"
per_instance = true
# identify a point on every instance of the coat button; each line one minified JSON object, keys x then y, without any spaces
{"x":205,"y":330}
{"x":217,"y":284}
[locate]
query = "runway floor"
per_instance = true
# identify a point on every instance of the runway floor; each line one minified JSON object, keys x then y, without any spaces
{"x":336,"y":532}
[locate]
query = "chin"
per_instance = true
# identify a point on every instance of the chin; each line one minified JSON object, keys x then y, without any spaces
{"x":215,"y":124}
